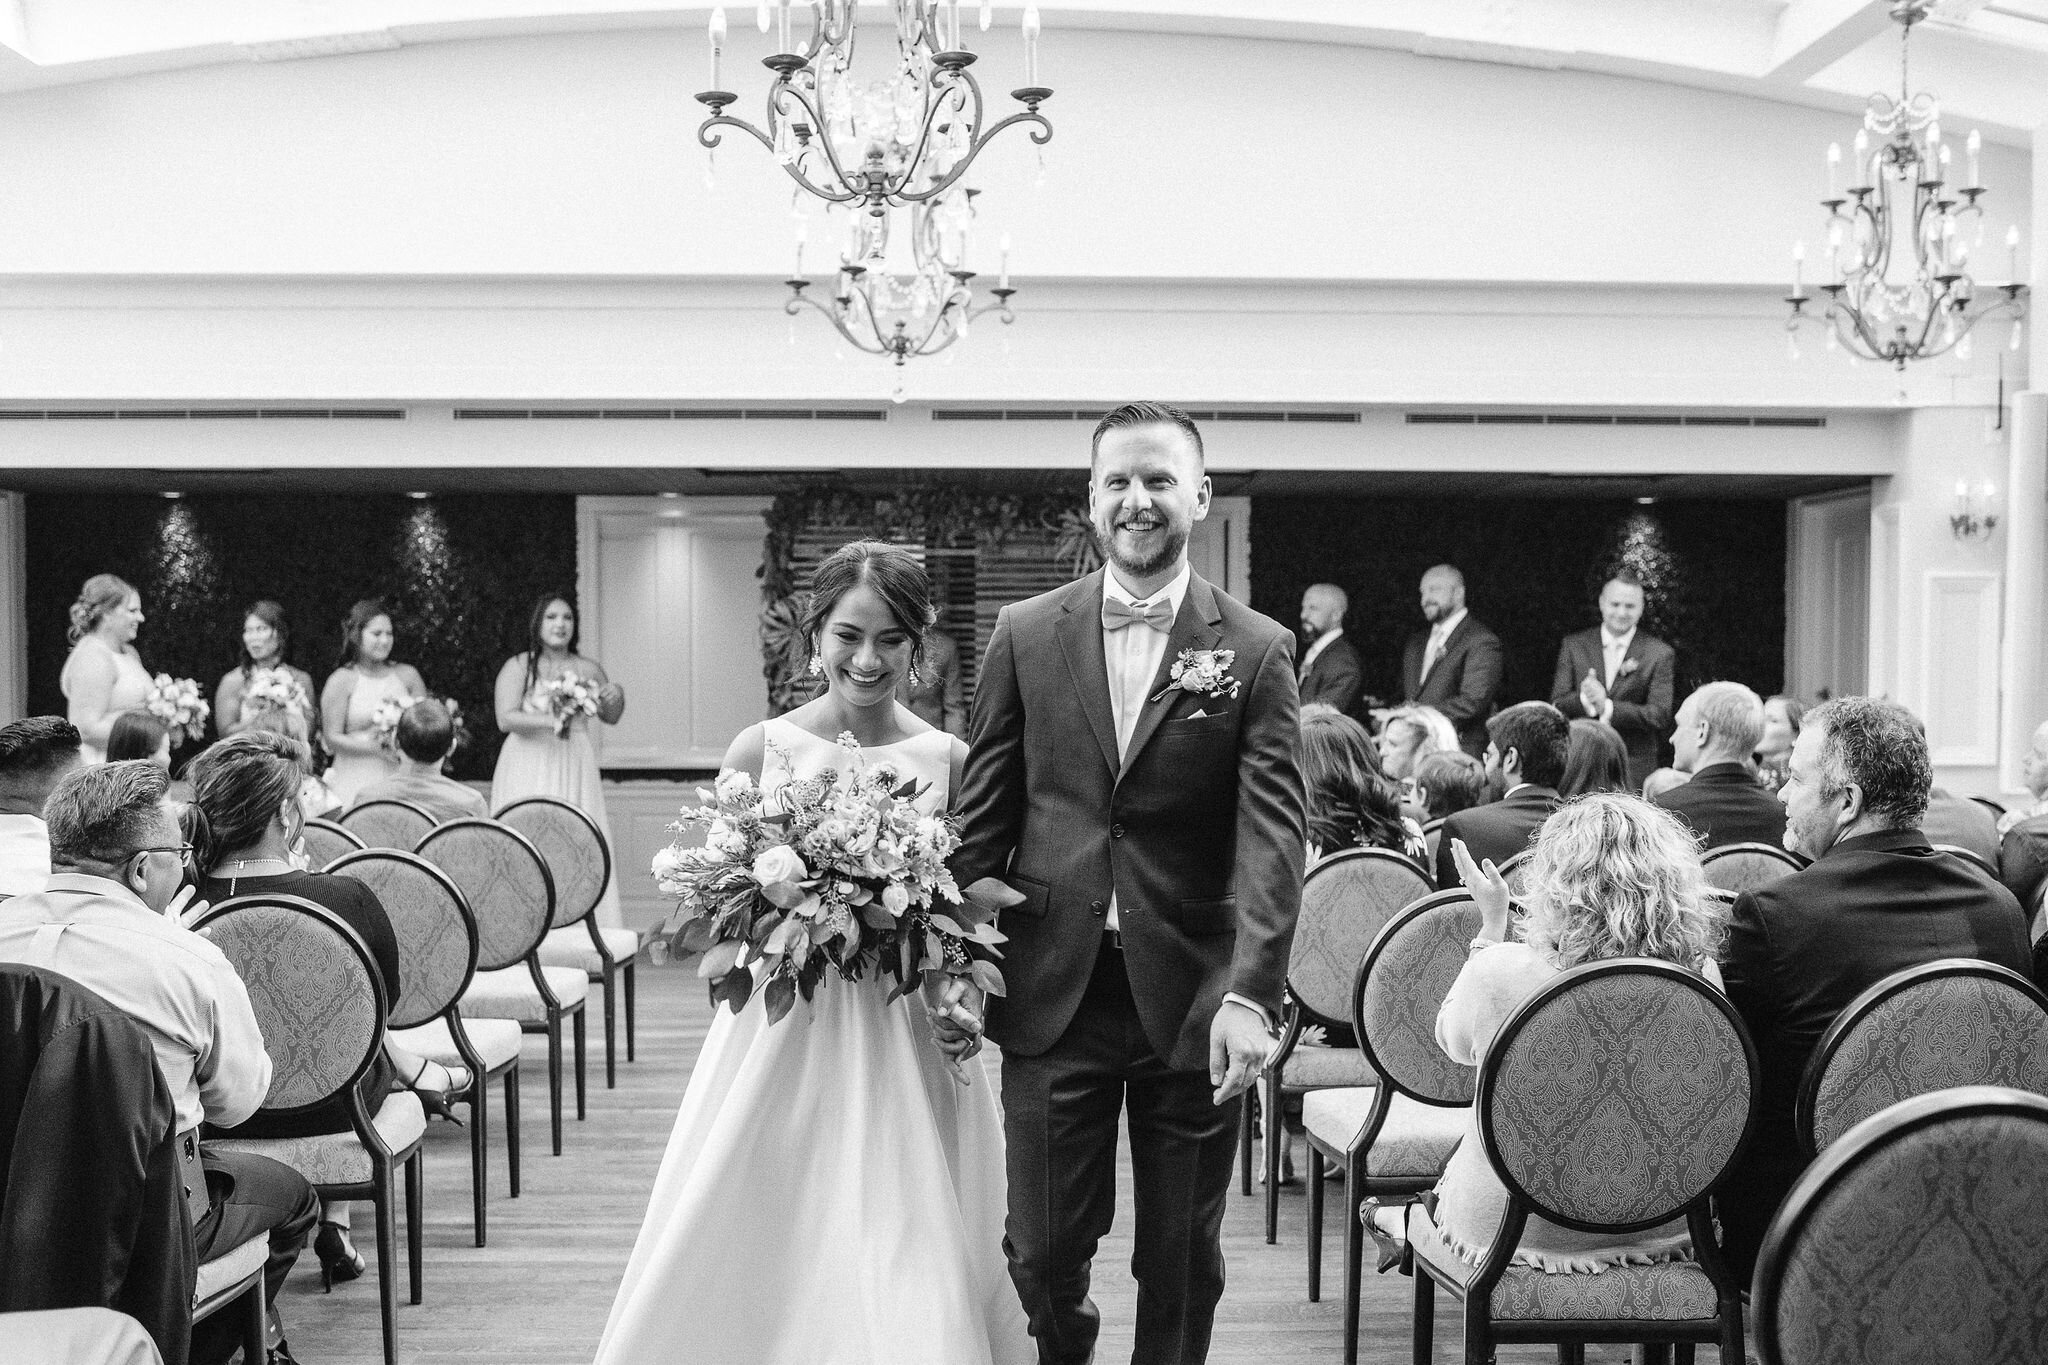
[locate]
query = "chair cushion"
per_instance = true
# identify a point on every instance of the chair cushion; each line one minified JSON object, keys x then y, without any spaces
{"x":569,"y":946}
{"x":510,"y":993}
{"x":1415,"y":1141}
{"x":341,"y":1158}
{"x":1669,"y":1291}
{"x":1313,"y":1068}
{"x":226,"y":1271}
{"x":495,"y":1040}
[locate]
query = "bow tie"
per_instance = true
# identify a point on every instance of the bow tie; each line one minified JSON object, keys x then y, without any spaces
{"x":1117,"y":613}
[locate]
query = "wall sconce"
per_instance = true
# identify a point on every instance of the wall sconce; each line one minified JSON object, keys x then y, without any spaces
{"x":1974,"y":513}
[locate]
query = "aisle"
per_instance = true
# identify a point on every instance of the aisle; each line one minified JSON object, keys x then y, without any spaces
{"x":538,"y":1294}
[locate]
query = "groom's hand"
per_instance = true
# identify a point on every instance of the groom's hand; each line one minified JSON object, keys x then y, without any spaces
{"x":945,"y":1006}
{"x":1238,"y":1048}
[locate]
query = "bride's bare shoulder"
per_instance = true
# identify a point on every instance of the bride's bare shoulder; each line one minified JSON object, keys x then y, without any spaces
{"x":746,"y":751}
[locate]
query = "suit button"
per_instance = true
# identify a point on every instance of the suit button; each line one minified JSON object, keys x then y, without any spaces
{"x":1098,"y":907}
{"x":1116,"y":831}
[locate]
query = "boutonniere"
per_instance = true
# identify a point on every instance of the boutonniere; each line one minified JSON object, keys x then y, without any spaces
{"x":1202,"y":671}
{"x":1628,"y":666}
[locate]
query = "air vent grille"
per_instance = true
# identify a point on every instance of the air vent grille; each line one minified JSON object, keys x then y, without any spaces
{"x":1095,"y":415}
{"x":671,"y":415}
{"x":201,"y":414}
{"x":1606,"y":419}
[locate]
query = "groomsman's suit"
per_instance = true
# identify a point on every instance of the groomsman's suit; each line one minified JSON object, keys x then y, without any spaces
{"x":1189,"y":831}
{"x":1333,"y":676}
{"x":1640,"y":686}
{"x":1462,"y":680}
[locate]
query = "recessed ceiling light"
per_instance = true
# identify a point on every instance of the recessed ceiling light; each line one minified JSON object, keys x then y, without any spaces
{"x":671,"y":495}
{"x":419,"y":497}
{"x":172,"y":496}
{"x":1645,"y":502}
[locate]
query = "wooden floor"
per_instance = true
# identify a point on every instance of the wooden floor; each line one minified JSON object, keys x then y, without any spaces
{"x":540,"y":1291}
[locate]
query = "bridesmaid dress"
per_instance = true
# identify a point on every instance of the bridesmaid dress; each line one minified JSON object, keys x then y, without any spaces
{"x":353,"y":772}
{"x":563,"y":767}
{"x":132,"y":685}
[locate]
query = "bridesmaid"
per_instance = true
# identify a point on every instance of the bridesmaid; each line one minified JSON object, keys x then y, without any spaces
{"x":537,"y":760}
{"x":265,"y":639}
{"x":104,"y":675}
{"x":362,"y":681}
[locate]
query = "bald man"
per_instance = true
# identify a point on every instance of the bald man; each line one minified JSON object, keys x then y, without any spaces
{"x":1330,"y":671}
{"x":1455,"y":665}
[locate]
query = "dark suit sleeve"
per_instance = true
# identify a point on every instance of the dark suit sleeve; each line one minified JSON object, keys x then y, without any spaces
{"x":1653,"y":715}
{"x":1564,"y":684}
{"x":1270,"y":837}
{"x":1447,"y":866}
{"x":990,"y":803}
{"x":1747,"y":968}
{"x":1477,"y":684}
{"x":1336,"y":680}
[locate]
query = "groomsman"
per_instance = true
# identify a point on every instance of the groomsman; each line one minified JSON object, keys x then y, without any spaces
{"x":1619,"y":675}
{"x":1330,"y":671}
{"x":1455,"y":665}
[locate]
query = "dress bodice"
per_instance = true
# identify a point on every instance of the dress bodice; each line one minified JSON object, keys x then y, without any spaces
{"x":132,"y":681}
{"x":369,"y":694}
{"x":793,"y":753}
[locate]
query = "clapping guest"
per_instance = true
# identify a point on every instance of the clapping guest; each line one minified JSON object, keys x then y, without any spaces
{"x":265,"y":640}
{"x":1619,"y":675}
{"x":35,"y":755}
{"x":1350,"y":802}
{"x":103,"y":676}
{"x":1525,"y":757}
{"x":426,"y":736}
{"x":1446,"y":783}
{"x":1718,"y":728}
{"x":1329,"y":672}
{"x":1595,"y":760}
{"x":1782,"y":718}
{"x":362,"y":684}
{"x":1612,"y":876}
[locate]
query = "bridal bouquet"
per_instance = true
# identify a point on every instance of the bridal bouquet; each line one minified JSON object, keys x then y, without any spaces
{"x":384,"y":720}
{"x":837,"y":872}
{"x":566,"y":698}
{"x":274,"y":689}
{"x":177,"y":703}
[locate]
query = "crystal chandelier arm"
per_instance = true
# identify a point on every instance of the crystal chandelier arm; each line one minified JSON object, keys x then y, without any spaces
{"x":821,"y":140}
{"x":941,"y":186}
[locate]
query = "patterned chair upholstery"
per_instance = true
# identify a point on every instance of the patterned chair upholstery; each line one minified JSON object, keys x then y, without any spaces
{"x":1395,"y":1136}
{"x":437,"y":953}
{"x":326,"y":841}
{"x":581,"y":861}
{"x":320,"y":1006}
{"x":1930,"y":1027}
{"x":509,"y":888}
{"x":1346,"y":900}
{"x":1515,"y":872}
{"x":1915,"y":1239}
{"x":1614,"y":1099}
{"x":388,"y":823}
{"x":1746,"y":867}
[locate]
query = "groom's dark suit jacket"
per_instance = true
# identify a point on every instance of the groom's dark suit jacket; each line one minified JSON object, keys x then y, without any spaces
{"x":1198,"y":831}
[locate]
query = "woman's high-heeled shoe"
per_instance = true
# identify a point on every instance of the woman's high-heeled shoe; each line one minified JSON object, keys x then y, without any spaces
{"x":1393,"y":1250}
{"x":440,"y":1102}
{"x":339,"y":1262}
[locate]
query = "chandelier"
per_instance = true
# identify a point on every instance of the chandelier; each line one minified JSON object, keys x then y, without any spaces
{"x":903,"y":314}
{"x":1899,"y":237}
{"x":891,"y":143}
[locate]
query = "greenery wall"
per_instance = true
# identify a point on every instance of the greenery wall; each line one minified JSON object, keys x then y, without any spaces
{"x":1714,"y":570}
{"x":460,"y":575}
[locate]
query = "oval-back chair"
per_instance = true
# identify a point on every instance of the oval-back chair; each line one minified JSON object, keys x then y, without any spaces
{"x":326,"y":841}
{"x":388,"y":823}
{"x":1934,"y":1026}
{"x":1432,"y":836}
{"x":580,"y":858}
{"x":1970,"y":856}
{"x":1515,"y":872}
{"x":1747,"y":867}
{"x":320,"y":1005}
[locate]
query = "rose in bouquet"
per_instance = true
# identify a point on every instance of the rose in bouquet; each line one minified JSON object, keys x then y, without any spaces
{"x":384,"y":720}
{"x":275,"y":689}
{"x":835,"y":873}
{"x":565,"y":698}
{"x":177,"y":703}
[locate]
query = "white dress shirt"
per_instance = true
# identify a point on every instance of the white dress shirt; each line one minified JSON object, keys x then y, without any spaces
{"x":24,"y":854}
{"x":1322,"y":643}
{"x":1439,"y":636}
{"x":1614,"y":649}
{"x":177,"y":985}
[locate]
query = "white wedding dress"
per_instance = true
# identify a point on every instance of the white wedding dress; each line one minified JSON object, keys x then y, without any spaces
{"x":831,"y":1195}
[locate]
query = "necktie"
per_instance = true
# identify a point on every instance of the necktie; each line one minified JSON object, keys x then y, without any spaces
{"x":1435,"y":651}
{"x":1117,"y":613}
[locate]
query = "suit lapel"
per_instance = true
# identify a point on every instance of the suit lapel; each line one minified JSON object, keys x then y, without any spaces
{"x":1080,"y":635}
{"x":1633,"y":652}
{"x":1193,"y":628}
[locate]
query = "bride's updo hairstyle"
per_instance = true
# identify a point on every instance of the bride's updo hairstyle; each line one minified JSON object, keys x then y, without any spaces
{"x":895,"y":575}
{"x":359,"y":617}
{"x":238,"y":787}
{"x":102,"y":593}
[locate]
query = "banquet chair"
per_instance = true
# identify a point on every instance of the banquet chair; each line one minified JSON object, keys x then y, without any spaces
{"x":1614,"y":1099}
{"x":326,"y":841}
{"x":388,"y":823}
{"x":1975,"y":859}
{"x":1747,"y":867}
{"x":1395,"y":1135}
{"x":580,"y":860}
{"x":1962,"y":1175}
{"x":320,"y":1005}
{"x":509,"y":889}
{"x":1996,"y":808}
{"x":1346,"y":900}
{"x":1933,"y":1026}
{"x":1433,"y":836}
{"x":1515,"y":872}
{"x":437,"y":955}
{"x":77,"y":1336}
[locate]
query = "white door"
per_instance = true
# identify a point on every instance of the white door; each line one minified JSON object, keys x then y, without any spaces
{"x":1827,"y":605}
{"x":1220,"y":547}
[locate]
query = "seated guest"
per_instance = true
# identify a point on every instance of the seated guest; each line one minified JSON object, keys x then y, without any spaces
{"x":1783,"y":716}
{"x":1595,"y":760}
{"x":1612,"y":876}
{"x":316,"y":798}
{"x":1663,"y":780}
{"x":118,"y":865}
{"x":426,"y":736}
{"x":1525,"y":754}
{"x":1330,"y":671}
{"x":1448,"y":782}
{"x":1876,"y":899}
{"x":1350,"y":802}
{"x":138,"y":734}
{"x":1959,"y":822}
{"x":35,"y":754}
{"x":244,"y":821}
{"x":1404,"y":741}
{"x":1718,"y":728}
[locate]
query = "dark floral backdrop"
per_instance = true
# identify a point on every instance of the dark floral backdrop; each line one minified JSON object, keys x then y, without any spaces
{"x":460,"y":574}
{"x":1714,"y":574}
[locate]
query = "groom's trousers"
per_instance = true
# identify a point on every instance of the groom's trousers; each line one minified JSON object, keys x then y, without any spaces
{"x":1060,"y":1119}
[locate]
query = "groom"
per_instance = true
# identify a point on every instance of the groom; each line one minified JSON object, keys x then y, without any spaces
{"x":1153,"y":828}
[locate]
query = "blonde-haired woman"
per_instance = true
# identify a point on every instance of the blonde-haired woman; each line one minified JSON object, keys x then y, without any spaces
{"x":104,"y":675}
{"x":1613,"y":876}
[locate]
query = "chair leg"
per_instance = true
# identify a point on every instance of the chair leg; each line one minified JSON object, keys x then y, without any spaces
{"x":479,"y":1149}
{"x":1424,"y":1328}
{"x":387,"y":1260}
{"x":555,"y":1079}
{"x":1571,"y":1353}
{"x":1354,"y":1253}
{"x":1246,"y":1126}
{"x":415,"y":1199}
{"x":1315,"y":1223}
{"x":1276,"y":1138}
{"x":629,"y":1011}
{"x":611,"y":1070}
{"x":512,"y":1125}
{"x":1478,"y":1335}
{"x":1681,"y":1353}
{"x":576,"y":1028}
{"x":255,"y":1323}
{"x":1731,"y":1329}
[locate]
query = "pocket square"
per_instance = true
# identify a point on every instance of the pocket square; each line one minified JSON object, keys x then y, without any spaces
{"x":1196,"y":714}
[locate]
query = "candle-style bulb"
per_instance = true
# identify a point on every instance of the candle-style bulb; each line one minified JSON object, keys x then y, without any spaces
{"x":761,"y":16}
{"x":717,"y":26}
{"x":988,"y":14}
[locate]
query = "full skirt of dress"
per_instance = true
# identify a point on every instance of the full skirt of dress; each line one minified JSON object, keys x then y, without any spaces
{"x":831,"y":1195}
{"x":566,"y":769}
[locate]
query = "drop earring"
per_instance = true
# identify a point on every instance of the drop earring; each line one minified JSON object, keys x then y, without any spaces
{"x":817,"y":667}
{"x":916,"y":678}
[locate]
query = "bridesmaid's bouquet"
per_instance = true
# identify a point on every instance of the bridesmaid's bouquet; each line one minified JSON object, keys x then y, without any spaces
{"x":834,"y":873}
{"x":565,"y":698}
{"x":177,"y":703}
{"x":274,"y":689}
{"x":384,"y":720}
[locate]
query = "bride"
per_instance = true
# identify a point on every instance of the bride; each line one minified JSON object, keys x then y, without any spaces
{"x":832,"y":1194}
